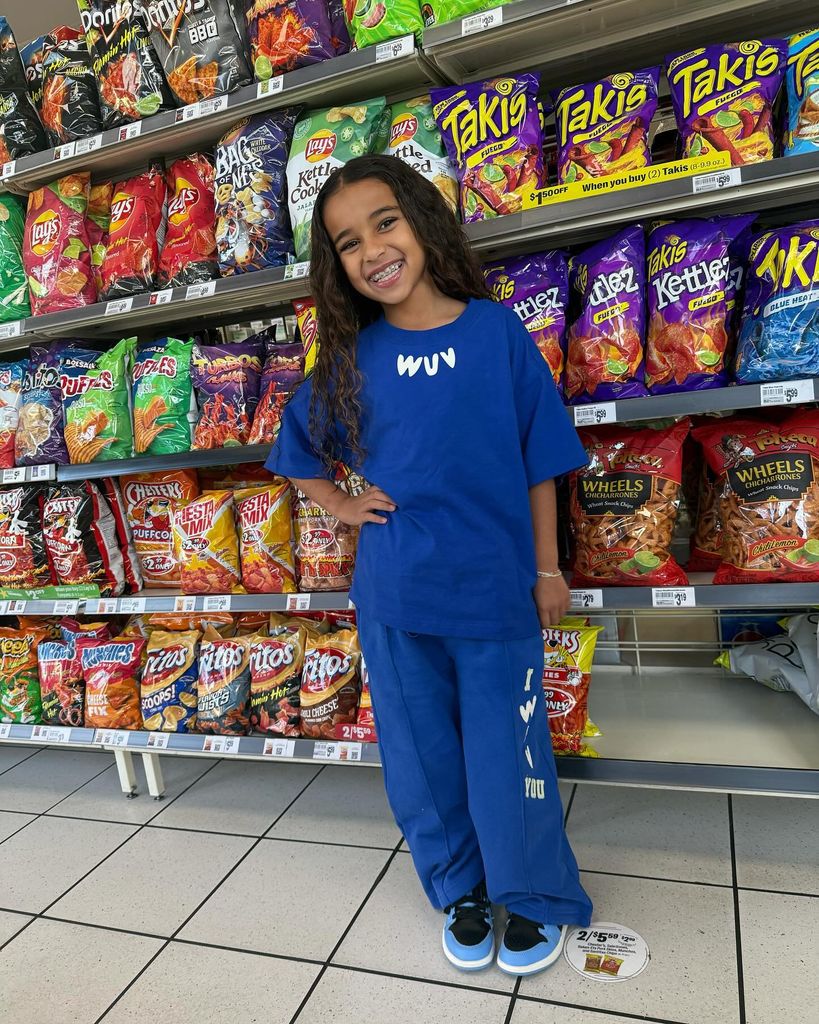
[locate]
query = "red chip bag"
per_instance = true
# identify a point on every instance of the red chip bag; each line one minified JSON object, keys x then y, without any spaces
{"x":568,"y":656}
{"x":23,"y":558}
{"x":132,"y":256}
{"x":61,"y":682}
{"x":125,"y":538}
{"x":98,"y":224}
{"x":189,"y":253}
{"x":112,"y":670}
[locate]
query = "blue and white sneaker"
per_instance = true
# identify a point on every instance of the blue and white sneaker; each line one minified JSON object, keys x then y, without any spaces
{"x":469,"y":934}
{"x":529,"y":947}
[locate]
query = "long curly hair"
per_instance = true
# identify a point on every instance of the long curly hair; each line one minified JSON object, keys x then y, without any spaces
{"x":341,"y":311}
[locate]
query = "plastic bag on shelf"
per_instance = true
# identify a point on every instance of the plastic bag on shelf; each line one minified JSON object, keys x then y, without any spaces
{"x":39,"y":438}
{"x":206,"y":546}
{"x":776,"y":662}
{"x":14,"y":301}
{"x":148,"y":498}
{"x":61,"y":682}
{"x":20,"y":130}
{"x":224,"y":685}
{"x":161,"y":393}
{"x":569,"y":652}
{"x":282,"y":374}
{"x":416,"y":140}
{"x":112,"y":669}
{"x":12,"y":376}
{"x":20,"y":699}
{"x":135,"y":234}
{"x":25,"y":561}
{"x":802,"y":78}
{"x":802,"y":630}
{"x":264,"y":520}
{"x":276,"y":664}
{"x":330,"y":682}
{"x":287,"y":34}
{"x":96,"y":408}
{"x":69,"y":108}
{"x":98,"y":224}
{"x":227,"y":380}
{"x":169,"y":681}
{"x":373,"y":22}
{"x":189,"y":250}
{"x":325,"y":547}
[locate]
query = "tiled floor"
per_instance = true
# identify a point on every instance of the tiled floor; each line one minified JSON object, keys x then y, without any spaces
{"x":283,"y":894}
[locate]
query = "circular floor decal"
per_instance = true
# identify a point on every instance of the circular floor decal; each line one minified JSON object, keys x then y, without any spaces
{"x":606,"y":952}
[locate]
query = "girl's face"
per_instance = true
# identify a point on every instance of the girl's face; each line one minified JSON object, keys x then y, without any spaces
{"x":374,"y":241}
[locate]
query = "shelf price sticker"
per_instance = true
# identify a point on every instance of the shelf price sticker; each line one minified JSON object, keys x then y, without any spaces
{"x":66,"y":607}
{"x":717,"y":181}
{"x":673,"y":597}
{"x":158,"y":740}
{"x":220,"y":745}
{"x":786,"y":392}
{"x":586,"y":598}
{"x":12,"y":330}
{"x":17,"y":607}
{"x":9,"y":169}
{"x":48,"y":471}
{"x":193,"y":111}
{"x":481,"y":22}
{"x":51,"y":733}
{"x":276,"y":746}
{"x":4,"y":607}
{"x":102,"y":606}
{"x":392,"y":49}
{"x":129,"y":131}
{"x":295,"y":270}
{"x":200,"y":291}
{"x":592,"y":415}
{"x":332,"y":751}
{"x":606,"y":952}
{"x":88,"y":145}
{"x":65,"y":151}
{"x":184,"y":604}
{"x":270,"y":87}
{"x":5,"y":730}
{"x":111,"y":737}
{"x":132,"y":605}
{"x":298,"y":603}
{"x":161,"y":298}
{"x":14,"y":476}
{"x":117,"y":306}
{"x":216,"y":603}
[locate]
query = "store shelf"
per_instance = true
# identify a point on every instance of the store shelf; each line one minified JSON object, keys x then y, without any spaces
{"x":233,"y":456}
{"x":701,"y":594}
{"x":368,"y":72}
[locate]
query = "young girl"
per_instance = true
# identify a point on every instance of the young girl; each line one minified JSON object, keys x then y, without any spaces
{"x":440,"y":398}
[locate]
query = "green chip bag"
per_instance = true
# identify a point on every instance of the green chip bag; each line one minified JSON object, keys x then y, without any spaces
{"x":373,"y":21}
{"x":14,"y":304}
{"x":416,"y":140}
{"x":162,"y":397}
{"x":436,"y":12}
{"x":96,"y":412}
{"x":322,"y":142}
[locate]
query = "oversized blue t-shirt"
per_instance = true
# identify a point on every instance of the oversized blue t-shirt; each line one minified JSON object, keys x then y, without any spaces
{"x":458,"y":423}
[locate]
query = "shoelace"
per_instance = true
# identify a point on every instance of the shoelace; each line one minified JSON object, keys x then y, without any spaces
{"x":521,"y":933}
{"x":471,"y":907}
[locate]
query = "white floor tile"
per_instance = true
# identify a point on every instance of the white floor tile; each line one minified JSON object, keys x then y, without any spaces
{"x":544,"y":1013}
{"x":11,"y":754}
{"x":294,"y":899}
{"x":777,"y":843}
{"x":780,"y":957}
{"x":10,"y":924}
{"x":11,"y":822}
{"x":66,"y":973}
{"x":38,"y":783}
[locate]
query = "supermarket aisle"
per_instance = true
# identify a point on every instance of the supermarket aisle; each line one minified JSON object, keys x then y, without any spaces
{"x":281,"y":893}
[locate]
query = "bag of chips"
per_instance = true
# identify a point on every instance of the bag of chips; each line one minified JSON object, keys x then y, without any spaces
{"x":148,"y":499}
{"x":263,"y":516}
{"x":283,"y":373}
{"x":70,"y":107}
{"x":252,"y":222}
{"x":723,"y":98}
{"x":536,"y":288}
{"x":81,"y":537}
{"x":113,"y":495}
{"x":33,"y":55}
{"x":569,"y":652}
{"x":779,"y":332}
{"x":61,"y":682}
{"x":604,"y":357}
{"x":169,"y":681}
{"x":276,"y":664}
{"x":330,"y":682}
{"x":224,"y":685}
{"x":129,"y":73}
{"x":415,"y":139}
{"x":111,"y":669}
{"x":287,"y":34}
{"x":98,"y":224}
{"x":23,"y":558}
{"x":624,"y":506}
{"x":802,"y":630}
{"x":162,"y":397}
{"x":20,"y":130}
{"x":776,"y":662}
{"x":205,"y":544}
{"x":39,"y":438}
{"x":56,"y":253}
{"x":602,"y":127}
{"x":189,"y":252}
{"x":803,"y":93}
{"x":706,"y":538}
{"x":20,"y":701}
{"x":226,"y":379}
{"x":14,"y":302}
{"x":372,"y":22}
{"x":325,"y":547}
{"x":200,"y":47}
{"x":498,"y":157}
{"x":131,"y":257}
{"x":12,"y":376}
{"x":364,"y":729}
{"x":305,"y":310}
{"x":692,"y":289}
{"x":72,"y":631}
{"x":95,"y":403}
{"x":323,"y":141}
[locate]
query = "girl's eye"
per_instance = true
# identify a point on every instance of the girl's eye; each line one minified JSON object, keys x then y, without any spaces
{"x":347,"y":246}
{"x":387,"y":223}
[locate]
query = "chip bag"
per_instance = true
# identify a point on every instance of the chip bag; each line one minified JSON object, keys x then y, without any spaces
{"x":56,"y":253}
{"x":70,"y":107}
{"x":803,"y":93}
{"x":169,"y":682}
{"x":20,"y":701}
{"x":148,"y":499}
{"x":723,"y":98}
{"x":23,"y":558}
{"x":499,"y":157}
{"x":227,"y":379}
{"x":777,"y":663}
{"x":205,"y":544}
{"x":283,"y":372}
{"x":602,"y":127}
{"x":415,"y":139}
{"x":61,"y":682}
{"x":624,"y":506}
{"x":252,"y":222}
{"x":372,"y":22}
{"x":39,"y":438}
{"x":111,"y":669}
{"x":98,"y":224}
{"x":276,"y":664}
{"x":779,"y":331}
{"x":131,"y":258}
{"x":14,"y":301}
{"x":569,"y":652}
{"x":12,"y":376}
{"x":323,"y":141}
{"x":437,"y":12}
{"x":161,"y":394}
{"x":81,"y":537}
{"x":706,"y":539}
{"x":802,"y":629}
{"x":305,"y":310}
{"x":325,"y":547}
{"x":20,"y":130}
{"x":330,"y":682}
{"x":536,"y":288}
{"x":604,"y":358}
{"x":263,"y":516}
{"x":189,"y":252}
{"x":224,"y":685}
{"x":287,"y":34}
{"x":95,"y":403}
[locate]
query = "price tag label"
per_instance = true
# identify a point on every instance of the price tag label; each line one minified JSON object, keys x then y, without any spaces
{"x":12,"y":330}
{"x":481,"y":22}
{"x":216,"y":603}
{"x":220,"y":745}
{"x":350,"y":752}
{"x":132,"y":605}
{"x":212,"y":106}
{"x":586,"y":598}
{"x":296,"y":270}
{"x":101,"y":606}
{"x":129,"y":131}
{"x":17,"y":607}
{"x":188,"y":113}
{"x":66,"y":607}
{"x":14,"y":476}
{"x":117,"y":306}
{"x":673,"y":597}
{"x":51,"y":733}
{"x":46,"y":472}
{"x":275,"y":746}
{"x":89,"y":145}
{"x":788,"y":392}
{"x":9,"y":168}
{"x":270,"y":87}
{"x":200,"y":291}
{"x":161,"y":298}
{"x":184,"y":604}
{"x":65,"y":151}
{"x":327,"y":750}
{"x":590,"y":415}
{"x":392,"y":49}
{"x":111,"y":737}
{"x":298,"y":603}
{"x":718,"y":180}
{"x":5,"y":730}
{"x":158,"y":740}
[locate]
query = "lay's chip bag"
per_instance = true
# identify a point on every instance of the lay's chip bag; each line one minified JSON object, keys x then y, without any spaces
{"x":169,"y":681}
{"x":415,"y":139}
{"x":95,"y":403}
{"x":373,"y":21}
{"x":224,"y":684}
{"x":162,"y":397}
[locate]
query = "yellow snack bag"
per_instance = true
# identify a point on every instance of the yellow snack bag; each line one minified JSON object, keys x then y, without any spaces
{"x":568,"y":656}
{"x":265,"y":525}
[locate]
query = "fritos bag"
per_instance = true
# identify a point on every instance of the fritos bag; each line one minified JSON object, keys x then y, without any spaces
{"x":282,"y":374}
{"x":330,"y":682}
{"x":189,"y":252}
{"x":80,"y":535}
{"x":61,"y":682}
{"x":325,"y":547}
{"x":602,"y":127}
{"x":802,"y":77}
{"x":148,"y":499}
{"x":169,"y":682}
{"x":604,"y":359}
{"x":56,"y":253}
{"x":364,"y":729}
{"x":723,"y":98}
{"x":23,"y":558}
{"x":69,"y":108}
{"x":131,"y":258}
{"x":227,"y":379}
{"x":624,"y":506}
{"x":98,"y":224}
{"x":263,"y":516}
{"x":12,"y":376}
{"x":111,"y":669}
{"x":14,"y":301}
{"x":20,"y":130}
{"x":287,"y":34}
{"x":276,"y":664}
{"x":415,"y":139}
{"x":161,"y":393}
{"x":569,"y":652}
{"x":95,"y":403}
{"x":39,"y":438}
{"x":768,"y":477}
{"x":374,"y":22}
{"x":224,"y":685}
{"x":205,"y":544}
{"x":20,"y":700}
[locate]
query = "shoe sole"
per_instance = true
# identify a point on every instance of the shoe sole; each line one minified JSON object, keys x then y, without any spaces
{"x":468,"y":965}
{"x":539,"y":965}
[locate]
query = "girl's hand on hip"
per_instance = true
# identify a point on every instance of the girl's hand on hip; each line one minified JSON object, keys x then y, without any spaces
{"x":355,"y":511}
{"x":552,"y":600}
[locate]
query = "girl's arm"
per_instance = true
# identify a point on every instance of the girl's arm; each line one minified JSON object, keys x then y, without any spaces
{"x":352,"y":511}
{"x":551,"y":594}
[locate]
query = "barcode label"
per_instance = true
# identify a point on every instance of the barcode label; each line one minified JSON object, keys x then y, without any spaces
{"x":790,"y":392}
{"x":481,"y":22}
{"x":674,"y":597}
{"x":586,"y":598}
{"x":51,"y":733}
{"x":14,"y":476}
{"x":5,"y":730}
{"x":65,"y":151}
{"x":161,"y":298}
{"x":158,"y":740}
{"x":111,"y":737}
{"x":184,"y":604}
{"x":132,"y":605}
{"x":188,"y":113}
{"x":212,"y":106}
{"x":275,"y":746}
{"x":89,"y":145}
{"x":129,"y":131}
{"x":200,"y":291}
{"x":589,"y":415}
{"x":392,"y":49}
{"x":216,"y":604}
{"x":46,"y":472}
{"x":12,"y":330}
{"x":295,"y":270}
{"x":298,"y":602}
{"x":270,"y":87}
{"x":220,"y":745}
{"x":9,"y":168}
{"x":718,"y":180}
{"x":66,"y":607}
{"x":17,"y":607}
{"x":330,"y":751}
{"x":116,"y":306}
{"x":101,"y":606}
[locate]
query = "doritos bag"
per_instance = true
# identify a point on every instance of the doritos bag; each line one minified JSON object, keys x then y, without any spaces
{"x":205,"y":544}
{"x":224,"y":684}
{"x":330,"y":682}
{"x":111,"y":670}
{"x":12,"y":376}
{"x":33,"y":55}
{"x":20,"y":130}
{"x":39,"y":438}
{"x":189,"y":251}
{"x":98,"y":224}
{"x":169,"y":681}
{"x":95,"y":403}
{"x":227,"y":379}
{"x":131,"y":257}
{"x":14,"y":302}
{"x":23,"y":558}
{"x":283,"y":372}
{"x":81,"y":537}
{"x":287,"y":34}
{"x":148,"y":498}
{"x":56,"y":253}
{"x":276,"y":664}
{"x":162,"y":397}
{"x":263,"y":515}
{"x":70,"y":105}
{"x":61,"y":682}
{"x":624,"y":506}
{"x":20,"y":700}
{"x":569,"y":652}
{"x":415,"y":139}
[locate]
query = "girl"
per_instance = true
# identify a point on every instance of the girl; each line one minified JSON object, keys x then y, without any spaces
{"x":439,"y":397}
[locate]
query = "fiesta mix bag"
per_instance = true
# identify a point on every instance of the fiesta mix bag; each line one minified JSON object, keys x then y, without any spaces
{"x":226,"y":379}
{"x":373,"y":22}
{"x":12,"y":376}
{"x":161,"y":393}
{"x":276,"y":664}
{"x":283,"y":372}
{"x":224,"y":684}
{"x":20,"y":701}
{"x":624,"y":506}
{"x":169,"y":681}
{"x":95,"y":403}
{"x":723,"y":98}
{"x":20,"y":130}
{"x":39,"y":438}
{"x":189,"y":250}
{"x":803,"y":93}
{"x":69,"y":107}
{"x":205,"y":544}
{"x":131,"y":257}
{"x":568,"y":655}
{"x":263,"y":516}
{"x":498,"y":158}
{"x":23,"y":558}
{"x":14,"y":301}
{"x":148,"y":498}
{"x":536,"y":288}
{"x":415,"y":139}
{"x":111,"y":669}
{"x":61,"y":682}
{"x":287,"y":34}
{"x":692,"y":289}
{"x":330,"y":682}
{"x":768,"y":476}
{"x":602,"y":127}
{"x":604,"y":357}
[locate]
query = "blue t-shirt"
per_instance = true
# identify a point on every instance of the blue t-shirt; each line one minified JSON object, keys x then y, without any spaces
{"x":458,"y":423}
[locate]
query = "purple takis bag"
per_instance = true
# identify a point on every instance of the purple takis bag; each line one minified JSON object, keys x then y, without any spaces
{"x":536,"y":287}
{"x":338,"y":24}
{"x":604,"y":358}
{"x":39,"y":438}
{"x":492,"y":134}
{"x":692,"y":290}
{"x":602,"y":127}
{"x":723,"y":98}
{"x":287,"y":34}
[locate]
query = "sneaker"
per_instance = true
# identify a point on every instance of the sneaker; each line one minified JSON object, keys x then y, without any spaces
{"x":469,"y":935}
{"x":529,"y":947}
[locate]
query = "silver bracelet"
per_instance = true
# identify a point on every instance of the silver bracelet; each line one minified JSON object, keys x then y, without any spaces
{"x":549,"y":575}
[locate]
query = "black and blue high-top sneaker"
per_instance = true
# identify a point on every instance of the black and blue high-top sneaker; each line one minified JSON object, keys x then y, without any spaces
{"x":529,"y":947}
{"x":469,"y":935}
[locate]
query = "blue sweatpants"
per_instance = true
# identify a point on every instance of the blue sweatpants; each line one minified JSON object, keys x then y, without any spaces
{"x":469,"y":769}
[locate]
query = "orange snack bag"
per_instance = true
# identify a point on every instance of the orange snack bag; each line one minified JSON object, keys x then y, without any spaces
{"x":148,"y":498}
